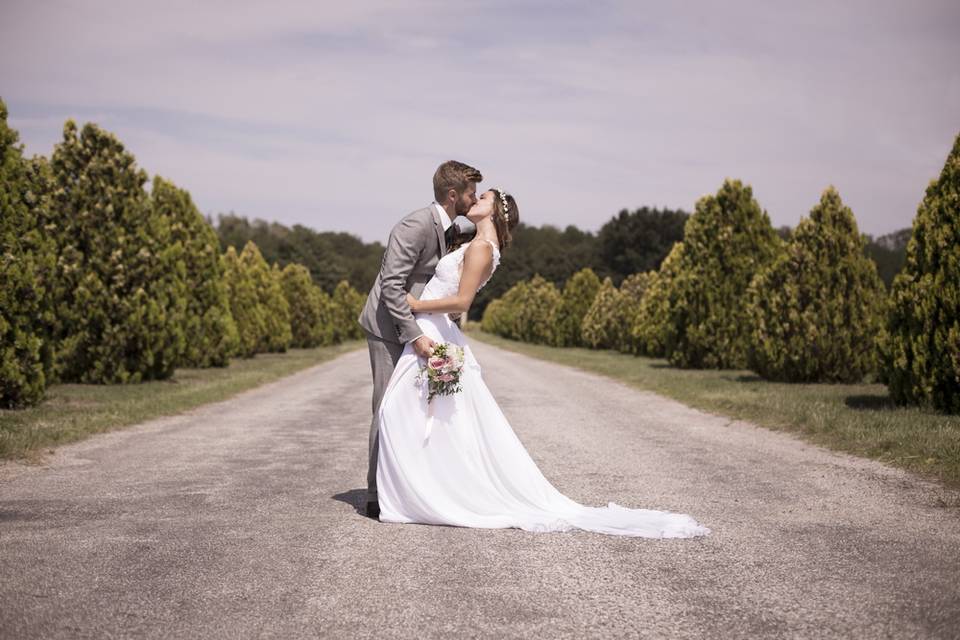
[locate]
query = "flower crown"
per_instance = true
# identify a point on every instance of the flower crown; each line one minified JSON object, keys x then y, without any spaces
{"x":503,"y":201}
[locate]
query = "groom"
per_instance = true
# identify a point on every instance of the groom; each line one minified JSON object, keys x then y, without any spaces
{"x":415,"y":246}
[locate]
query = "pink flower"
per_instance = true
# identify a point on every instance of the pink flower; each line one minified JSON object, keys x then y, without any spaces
{"x":436,"y":363}
{"x":446,"y":377}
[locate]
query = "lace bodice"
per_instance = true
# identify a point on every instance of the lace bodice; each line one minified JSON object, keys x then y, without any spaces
{"x":446,"y":279}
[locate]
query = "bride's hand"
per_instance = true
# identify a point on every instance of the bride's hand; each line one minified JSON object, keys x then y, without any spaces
{"x":412,"y":302}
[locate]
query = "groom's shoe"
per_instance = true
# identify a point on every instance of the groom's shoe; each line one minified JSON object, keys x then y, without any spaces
{"x":373,"y":510}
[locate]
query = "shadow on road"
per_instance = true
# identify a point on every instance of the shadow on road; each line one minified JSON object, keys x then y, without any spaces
{"x":356,"y":498}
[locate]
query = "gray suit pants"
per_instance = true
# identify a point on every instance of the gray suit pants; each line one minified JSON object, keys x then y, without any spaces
{"x":383,"y":360}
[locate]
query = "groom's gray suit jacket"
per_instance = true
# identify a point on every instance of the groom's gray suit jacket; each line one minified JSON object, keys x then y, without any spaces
{"x":415,"y":246}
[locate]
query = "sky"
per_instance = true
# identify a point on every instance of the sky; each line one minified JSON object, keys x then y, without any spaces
{"x":335,"y":115}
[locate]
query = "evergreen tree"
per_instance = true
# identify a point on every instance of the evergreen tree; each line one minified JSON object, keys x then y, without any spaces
{"x":536,"y":314}
{"x":578,"y":294}
{"x":281,"y":333}
{"x":347,"y":304}
{"x":495,"y":318}
{"x":650,"y":326}
{"x":120,"y":295}
{"x":638,"y":241}
{"x":208,"y":323}
{"x":311,"y":312}
{"x":501,"y":316}
{"x":633,"y":290}
{"x":245,"y":307}
{"x":27,"y":263}
{"x":816,"y":312}
{"x":726,"y":241}
{"x":604,"y":324}
{"x":276,"y":334}
{"x":921,"y":349}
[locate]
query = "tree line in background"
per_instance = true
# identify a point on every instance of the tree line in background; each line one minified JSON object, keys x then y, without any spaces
{"x":631,"y":242}
{"x":804,"y":306}
{"x":103,"y":282}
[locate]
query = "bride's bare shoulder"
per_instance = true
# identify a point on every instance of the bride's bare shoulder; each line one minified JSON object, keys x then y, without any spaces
{"x":478,"y":256}
{"x":481,"y":248}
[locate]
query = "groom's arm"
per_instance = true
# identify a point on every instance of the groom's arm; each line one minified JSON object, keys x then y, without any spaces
{"x":406,"y":244}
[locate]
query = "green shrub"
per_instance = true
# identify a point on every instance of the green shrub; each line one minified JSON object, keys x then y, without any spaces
{"x":311,"y":309}
{"x":611,"y":319}
{"x":816,"y":312}
{"x":120,"y":288}
{"x":536,"y":313}
{"x":727,"y":241}
{"x":578,"y":293}
{"x":503,"y":318}
{"x":207,"y":323}
{"x":347,"y":303}
{"x":604,"y":325}
{"x":633,"y":290}
{"x":921,"y":348}
{"x":494,"y":318}
{"x":276,"y":334}
{"x":650,"y":326}
{"x":27,"y":263}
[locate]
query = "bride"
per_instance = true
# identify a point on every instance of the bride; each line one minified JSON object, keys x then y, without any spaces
{"x":456,"y":460}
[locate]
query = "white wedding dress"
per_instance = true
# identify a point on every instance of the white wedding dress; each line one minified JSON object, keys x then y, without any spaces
{"x":458,"y":462}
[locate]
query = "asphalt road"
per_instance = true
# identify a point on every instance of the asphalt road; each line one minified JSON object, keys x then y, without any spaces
{"x":239,"y":520}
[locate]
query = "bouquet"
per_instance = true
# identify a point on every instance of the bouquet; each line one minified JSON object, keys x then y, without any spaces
{"x":442,"y":371}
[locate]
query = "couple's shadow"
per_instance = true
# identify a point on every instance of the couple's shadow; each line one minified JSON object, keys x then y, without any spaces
{"x":356,"y":498}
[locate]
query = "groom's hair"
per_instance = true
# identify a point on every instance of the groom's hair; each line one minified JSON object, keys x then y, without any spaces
{"x":453,"y":175}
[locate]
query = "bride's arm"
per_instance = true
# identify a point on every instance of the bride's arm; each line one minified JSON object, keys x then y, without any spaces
{"x":477,"y":265}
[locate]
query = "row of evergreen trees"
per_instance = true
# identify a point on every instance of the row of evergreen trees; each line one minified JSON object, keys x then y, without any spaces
{"x":102,"y":282}
{"x":733,"y":294}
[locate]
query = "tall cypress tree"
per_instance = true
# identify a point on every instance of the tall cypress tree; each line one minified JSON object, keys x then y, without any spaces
{"x":121,"y":281}
{"x":276,"y":335}
{"x":311,"y":312}
{"x":816,"y":312}
{"x":650,"y":327}
{"x":245,"y":307}
{"x":921,"y":349}
{"x":726,"y":241}
{"x":633,"y":290}
{"x":208,"y":323}
{"x":27,"y":262}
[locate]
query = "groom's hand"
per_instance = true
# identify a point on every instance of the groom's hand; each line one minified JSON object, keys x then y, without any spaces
{"x":423,"y":346}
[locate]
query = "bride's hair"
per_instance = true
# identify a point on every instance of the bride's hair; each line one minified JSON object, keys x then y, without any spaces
{"x":505,"y":221}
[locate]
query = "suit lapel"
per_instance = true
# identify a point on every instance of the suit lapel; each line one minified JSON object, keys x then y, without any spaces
{"x":439,"y":226}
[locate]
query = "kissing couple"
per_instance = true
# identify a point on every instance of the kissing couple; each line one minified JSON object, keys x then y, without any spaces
{"x":454,"y":459}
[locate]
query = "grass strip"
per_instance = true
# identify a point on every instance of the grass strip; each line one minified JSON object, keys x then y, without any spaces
{"x":72,"y":412}
{"x":859,"y":419}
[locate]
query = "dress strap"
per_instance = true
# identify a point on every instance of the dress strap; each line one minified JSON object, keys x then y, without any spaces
{"x":493,"y":244}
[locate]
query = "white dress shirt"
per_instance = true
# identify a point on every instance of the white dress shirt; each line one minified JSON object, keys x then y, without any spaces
{"x":444,"y":218}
